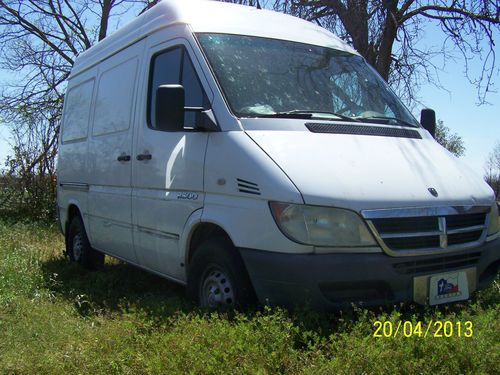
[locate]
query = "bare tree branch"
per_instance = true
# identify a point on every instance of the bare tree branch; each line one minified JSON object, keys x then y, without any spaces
{"x":385,"y":33}
{"x":39,"y":41}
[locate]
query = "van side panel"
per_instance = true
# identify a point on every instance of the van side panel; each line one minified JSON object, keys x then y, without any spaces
{"x":72,"y":163}
{"x":110,"y":154}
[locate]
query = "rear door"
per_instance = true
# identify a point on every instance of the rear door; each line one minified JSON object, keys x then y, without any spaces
{"x":168,"y":165}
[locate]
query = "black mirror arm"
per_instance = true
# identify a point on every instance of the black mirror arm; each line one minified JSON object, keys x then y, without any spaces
{"x":209,"y":123}
{"x":170,"y":110}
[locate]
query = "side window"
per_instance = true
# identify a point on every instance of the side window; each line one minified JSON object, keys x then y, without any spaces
{"x":194,"y":95}
{"x":77,"y":112}
{"x":114,"y":98}
{"x":166,"y":68}
{"x":174,"y":67}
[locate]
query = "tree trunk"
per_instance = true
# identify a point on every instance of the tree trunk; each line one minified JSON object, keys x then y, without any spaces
{"x":106,"y":10}
{"x":390,"y":29}
{"x":355,"y":20}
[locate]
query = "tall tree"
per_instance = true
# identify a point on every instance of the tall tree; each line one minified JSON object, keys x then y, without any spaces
{"x":492,"y":170}
{"x":39,"y":40}
{"x":387,"y":32}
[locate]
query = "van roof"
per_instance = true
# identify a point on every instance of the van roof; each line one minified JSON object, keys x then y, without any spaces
{"x":210,"y":16}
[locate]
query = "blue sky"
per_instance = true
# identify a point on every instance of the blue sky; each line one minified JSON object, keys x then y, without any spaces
{"x":479,"y":126}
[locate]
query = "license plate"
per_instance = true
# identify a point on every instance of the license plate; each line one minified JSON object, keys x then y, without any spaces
{"x":448,"y":287}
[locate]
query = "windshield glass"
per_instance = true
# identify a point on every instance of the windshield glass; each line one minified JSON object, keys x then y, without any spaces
{"x":263,"y":77}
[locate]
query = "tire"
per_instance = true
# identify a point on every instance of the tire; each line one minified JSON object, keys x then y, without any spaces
{"x":217,"y":277}
{"x":79,"y":249}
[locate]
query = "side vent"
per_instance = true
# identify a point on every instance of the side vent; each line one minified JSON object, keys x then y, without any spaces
{"x":248,"y":187}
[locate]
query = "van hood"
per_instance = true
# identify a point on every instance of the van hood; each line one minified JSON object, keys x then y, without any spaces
{"x":370,"y":172}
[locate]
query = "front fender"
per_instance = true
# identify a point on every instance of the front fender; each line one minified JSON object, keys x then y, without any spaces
{"x":249,"y":223}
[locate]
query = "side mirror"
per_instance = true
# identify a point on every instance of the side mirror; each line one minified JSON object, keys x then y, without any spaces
{"x":428,"y":120}
{"x":170,"y":107}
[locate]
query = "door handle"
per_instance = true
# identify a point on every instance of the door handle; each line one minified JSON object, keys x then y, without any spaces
{"x":142,"y":157}
{"x":123,"y":158}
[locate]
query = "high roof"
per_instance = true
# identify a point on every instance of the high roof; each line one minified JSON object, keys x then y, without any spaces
{"x":211,"y":16}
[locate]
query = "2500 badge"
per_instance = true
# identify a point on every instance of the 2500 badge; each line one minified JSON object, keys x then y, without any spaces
{"x":188,"y":196}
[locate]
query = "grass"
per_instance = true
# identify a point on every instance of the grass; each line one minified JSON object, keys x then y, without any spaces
{"x":57,"y":318}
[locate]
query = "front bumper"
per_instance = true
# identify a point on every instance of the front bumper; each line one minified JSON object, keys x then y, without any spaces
{"x":332,"y":281}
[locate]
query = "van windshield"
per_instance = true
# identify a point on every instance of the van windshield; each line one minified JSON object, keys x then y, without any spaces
{"x":263,"y":77}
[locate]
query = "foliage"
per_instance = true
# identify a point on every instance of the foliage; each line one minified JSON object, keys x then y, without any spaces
{"x":492,"y":170}
{"x":39,"y":41}
{"x":28,"y":189}
{"x":56,"y":318}
{"x":451,"y":141}
{"x":29,"y":199}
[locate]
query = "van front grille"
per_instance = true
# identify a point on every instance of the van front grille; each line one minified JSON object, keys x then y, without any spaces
{"x":436,"y":232}
{"x":404,"y":243}
{"x":438,"y":263}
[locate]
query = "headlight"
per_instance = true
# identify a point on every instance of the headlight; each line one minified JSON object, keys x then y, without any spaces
{"x":494,"y":220}
{"x":321,"y":226}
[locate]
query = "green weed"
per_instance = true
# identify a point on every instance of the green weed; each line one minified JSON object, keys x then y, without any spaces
{"x":57,"y":318}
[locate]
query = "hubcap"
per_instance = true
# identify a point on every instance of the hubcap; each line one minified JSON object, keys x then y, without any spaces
{"x":77,"y":247}
{"x":216,"y":289}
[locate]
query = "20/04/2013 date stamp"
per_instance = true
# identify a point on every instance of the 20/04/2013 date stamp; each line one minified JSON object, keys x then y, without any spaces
{"x":433,"y":328}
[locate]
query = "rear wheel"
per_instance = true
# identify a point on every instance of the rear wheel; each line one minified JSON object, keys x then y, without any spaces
{"x":79,"y":249}
{"x":217,"y":277}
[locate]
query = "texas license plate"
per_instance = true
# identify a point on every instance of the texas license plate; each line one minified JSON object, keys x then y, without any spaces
{"x":448,"y":287}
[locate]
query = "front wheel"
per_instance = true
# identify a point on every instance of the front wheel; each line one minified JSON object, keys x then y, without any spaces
{"x":79,"y":249}
{"x":217,"y":277}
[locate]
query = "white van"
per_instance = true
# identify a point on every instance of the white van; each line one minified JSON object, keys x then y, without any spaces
{"x":254,"y":156}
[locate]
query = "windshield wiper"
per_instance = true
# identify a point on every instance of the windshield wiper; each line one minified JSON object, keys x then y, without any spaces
{"x":288,"y":114}
{"x":299,"y":113}
{"x":387,"y":119}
